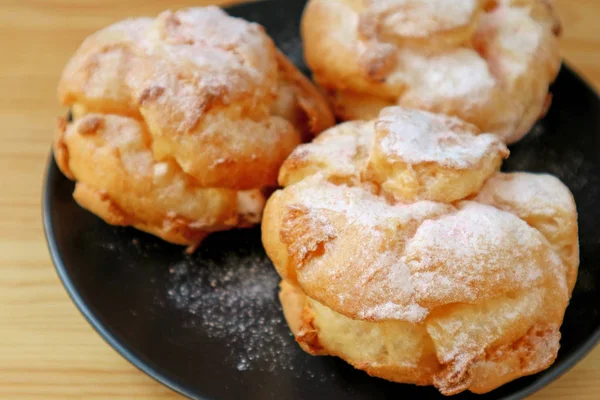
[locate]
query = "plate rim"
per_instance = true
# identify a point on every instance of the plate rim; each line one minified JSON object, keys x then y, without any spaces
{"x":55,"y":254}
{"x":81,"y":304}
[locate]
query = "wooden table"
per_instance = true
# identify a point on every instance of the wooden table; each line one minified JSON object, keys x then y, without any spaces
{"x":47,"y":349}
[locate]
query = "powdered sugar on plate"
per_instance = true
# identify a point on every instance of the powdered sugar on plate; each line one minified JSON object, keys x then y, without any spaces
{"x":232,"y":298}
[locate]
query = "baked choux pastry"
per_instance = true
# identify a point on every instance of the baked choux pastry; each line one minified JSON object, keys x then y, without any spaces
{"x":488,"y":62}
{"x":180,"y":123}
{"x":404,"y":251}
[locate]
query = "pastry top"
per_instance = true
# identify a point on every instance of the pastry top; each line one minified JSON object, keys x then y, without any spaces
{"x":543,"y":202}
{"x":404,"y":235}
{"x":488,"y":62}
{"x":419,"y":137}
{"x":371,"y":260}
{"x":216,"y":95}
{"x":411,"y":154}
{"x":407,"y":21}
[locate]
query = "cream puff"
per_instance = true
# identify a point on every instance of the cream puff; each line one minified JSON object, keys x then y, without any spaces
{"x":181,"y":122}
{"x":488,"y":62}
{"x":404,"y":251}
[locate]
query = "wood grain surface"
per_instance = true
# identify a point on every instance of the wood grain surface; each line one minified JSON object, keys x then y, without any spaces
{"x":47,"y":349}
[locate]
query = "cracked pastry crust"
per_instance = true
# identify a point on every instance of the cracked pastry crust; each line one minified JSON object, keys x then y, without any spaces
{"x":489,"y":62}
{"x":182,"y":121}
{"x":456,"y":275}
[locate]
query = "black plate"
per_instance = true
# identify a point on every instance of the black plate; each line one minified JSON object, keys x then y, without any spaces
{"x":209,"y":325}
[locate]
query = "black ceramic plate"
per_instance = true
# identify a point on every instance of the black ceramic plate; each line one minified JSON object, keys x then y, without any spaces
{"x":209,"y":325}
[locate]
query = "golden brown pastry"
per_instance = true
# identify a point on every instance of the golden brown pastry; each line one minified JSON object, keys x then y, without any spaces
{"x":405,"y":252}
{"x":181,"y":122}
{"x":489,"y":62}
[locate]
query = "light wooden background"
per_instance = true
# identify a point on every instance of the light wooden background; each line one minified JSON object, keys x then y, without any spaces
{"x":47,"y":349}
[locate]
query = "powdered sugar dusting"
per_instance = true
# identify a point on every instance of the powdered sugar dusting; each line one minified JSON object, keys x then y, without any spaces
{"x":397,"y":287}
{"x":233,"y":298}
{"x":374,"y":286}
{"x":417,"y":137}
{"x":210,"y":25}
{"x":389,"y":310}
{"x":512,"y":32}
{"x":422,"y":18}
{"x":476,"y":253}
{"x":546,"y":194}
{"x":459,"y":74}
{"x":339,"y":152}
{"x":226,"y":52}
{"x":358,"y":204}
